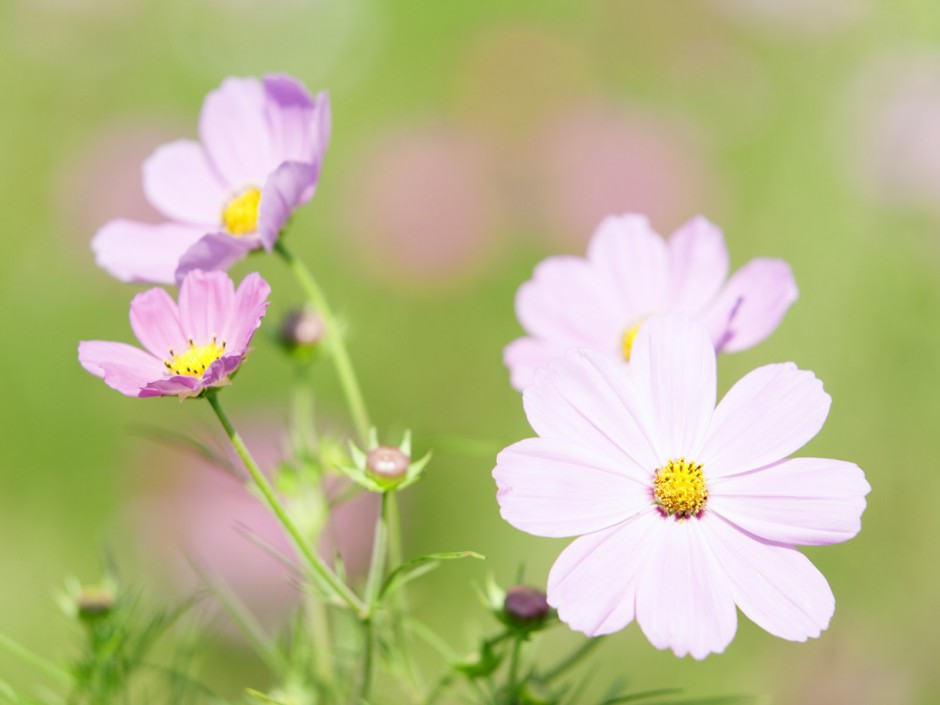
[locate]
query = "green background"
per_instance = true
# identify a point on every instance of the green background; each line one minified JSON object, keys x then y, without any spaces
{"x":770,"y":112}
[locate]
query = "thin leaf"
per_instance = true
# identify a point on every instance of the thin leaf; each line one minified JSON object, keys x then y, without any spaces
{"x":410,"y":570}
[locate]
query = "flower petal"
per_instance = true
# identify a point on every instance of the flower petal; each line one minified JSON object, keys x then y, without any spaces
{"x":143,"y":252}
{"x":775,"y":586}
{"x":156,"y":323}
{"x":632,"y":258}
{"x":698,"y":265}
{"x":673,"y":364}
{"x":234,"y":129}
{"x":593,"y":582}
{"x":553,"y":488}
{"x":214,"y":251}
{"x":567,"y":303}
{"x":291,"y":185}
{"x":206,"y":302}
{"x":219,"y":371}
{"x":525,"y":356}
{"x":588,"y":399}
{"x":182,"y":184}
{"x":299,"y":125}
{"x":683,"y":600}
{"x":770,"y":413}
{"x":802,"y":501}
{"x":250,"y":306}
{"x":123,"y":367}
{"x":181,"y":386}
{"x":751,"y":305}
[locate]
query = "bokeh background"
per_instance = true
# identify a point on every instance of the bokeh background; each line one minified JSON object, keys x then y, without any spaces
{"x":472,"y":139}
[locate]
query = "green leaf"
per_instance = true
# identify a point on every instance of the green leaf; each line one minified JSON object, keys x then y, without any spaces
{"x":406,"y":572}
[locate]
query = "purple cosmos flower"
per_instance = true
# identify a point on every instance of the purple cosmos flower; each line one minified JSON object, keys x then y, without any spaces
{"x":262,"y":146}
{"x":631,"y":273}
{"x":190,"y":347}
{"x":686,"y":509}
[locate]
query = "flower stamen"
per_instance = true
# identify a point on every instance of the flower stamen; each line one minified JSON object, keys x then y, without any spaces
{"x":628,"y":337}
{"x":679,"y":488}
{"x":240,"y":215}
{"x":196,"y":360}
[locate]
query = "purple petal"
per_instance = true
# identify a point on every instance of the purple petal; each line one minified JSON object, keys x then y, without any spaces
{"x":525,"y":356}
{"x":683,"y":600}
{"x":568,"y":303}
{"x":751,"y":305}
{"x":803,"y":501}
{"x":593,"y":582}
{"x":775,"y":586}
{"x":123,"y":367}
{"x":770,"y":413}
{"x":673,"y":365}
{"x":206,"y":302}
{"x":182,"y":184}
{"x":234,"y":129}
{"x":628,"y":254}
{"x":698,"y":265}
{"x":588,"y":399}
{"x":143,"y":252}
{"x":555,"y":488}
{"x":299,"y":125}
{"x":214,"y":251}
{"x":156,"y":323}
{"x":291,"y":184}
{"x":181,"y":386}
{"x":219,"y":371}
{"x":250,"y":306}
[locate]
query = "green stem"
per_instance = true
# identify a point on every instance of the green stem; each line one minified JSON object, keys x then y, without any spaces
{"x":334,"y":341}
{"x":572,"y":659}
{"x":315,"y":563}
{"x":379,"y":552}
{"x":37,"y":662}
{"x":512,"y":685}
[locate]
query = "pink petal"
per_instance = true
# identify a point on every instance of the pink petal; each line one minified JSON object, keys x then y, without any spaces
{"x":632,"y":259}
{"x":673,"y":364}
{"x":156,"y":323}
{"x":215,"y":251}
{"x":218,"y":373}
{"x":234,"y":129}
{"x":804,"y":501}
{"x":525,"y":356}
{"x":250,"y":306}
{"x":206,"y":302}
{"x":593,"y":582}
{"x":569,"y":303}
{"x":291,"y":185}
{"x":683,"y":600}
{"x":698,"y":265}
{"x":555,"y":488}
{"x":299,"y":125}
{"x":181,"y":386}
{"x":143,"y":252}
{"x":770,"y":413}
{"x":123,"y":367}
{"x":181,"y":183}
{"x":751,"y":305}
{"x":588,"y":399}
{"x":775,"y":586}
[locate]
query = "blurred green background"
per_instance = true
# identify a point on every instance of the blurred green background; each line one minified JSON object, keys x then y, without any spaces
{"x":470,"y":140}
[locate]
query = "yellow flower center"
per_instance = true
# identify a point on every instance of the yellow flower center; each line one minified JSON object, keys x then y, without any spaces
{"x":680,"y":488}
{"x":240,"y":216}
{"x":628,"y":339}
{"x":196,"y":360}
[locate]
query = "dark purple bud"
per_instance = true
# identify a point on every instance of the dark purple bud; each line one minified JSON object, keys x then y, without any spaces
{"x":387,"y":462}
{"x":525,"y":605}
{"x":303,"y":328}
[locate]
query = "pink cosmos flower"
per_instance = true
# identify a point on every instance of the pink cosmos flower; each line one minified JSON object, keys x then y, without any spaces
{"x":630,"y":274}
{"x":262,"y":146}
{"x":190,"y":347}
{"x":686,"y":509}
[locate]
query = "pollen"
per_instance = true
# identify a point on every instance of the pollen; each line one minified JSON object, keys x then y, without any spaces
{"x":240,"y":215}
{"x":196,"y":359}
{"x":679,"y":488}
{"x":628,"y":337}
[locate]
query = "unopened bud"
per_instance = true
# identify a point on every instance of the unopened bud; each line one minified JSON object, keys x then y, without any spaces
{"x":525,"y":605}
{"x":303,"y":328}
{"x":94,"y":602}
{"x":387,"y":463}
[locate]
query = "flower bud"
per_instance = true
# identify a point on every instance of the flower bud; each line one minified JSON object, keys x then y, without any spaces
{"x":387,"y":463}
{"x":94,"y":602}
{"x":525,"y":605}
{"x":302,"y":328}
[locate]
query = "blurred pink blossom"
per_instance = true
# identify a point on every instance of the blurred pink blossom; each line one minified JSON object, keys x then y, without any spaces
{"x":806,"y":17}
